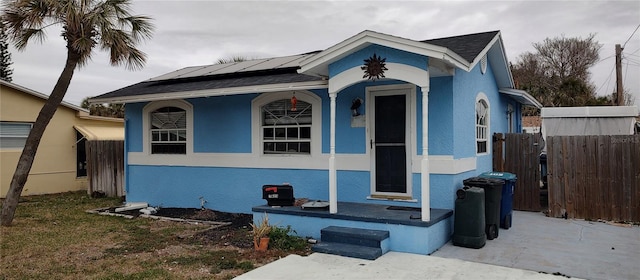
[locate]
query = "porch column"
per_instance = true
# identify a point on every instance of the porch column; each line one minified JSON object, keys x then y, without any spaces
{"x":333,"y":182}
{"x":426,"y":205}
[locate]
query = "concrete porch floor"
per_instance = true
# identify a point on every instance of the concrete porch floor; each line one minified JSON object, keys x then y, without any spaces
{"x":364,"y":212}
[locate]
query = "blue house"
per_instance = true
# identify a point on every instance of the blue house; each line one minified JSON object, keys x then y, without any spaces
{"x":383,"y":128}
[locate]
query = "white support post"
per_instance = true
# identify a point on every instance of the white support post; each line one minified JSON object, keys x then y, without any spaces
{"x":333,"y":182}
{"x":426,"y":196}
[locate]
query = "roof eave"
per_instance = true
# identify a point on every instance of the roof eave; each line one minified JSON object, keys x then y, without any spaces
{"x":521,"y":96}
{"x":41,"y":95}
{"x":313,"y":65}
{"x":213,"y":92}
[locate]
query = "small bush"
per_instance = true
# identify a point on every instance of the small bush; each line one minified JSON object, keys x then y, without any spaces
{"x":285,"y":239}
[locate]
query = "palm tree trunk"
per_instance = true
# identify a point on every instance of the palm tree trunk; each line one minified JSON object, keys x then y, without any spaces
{"x":33,"y":140}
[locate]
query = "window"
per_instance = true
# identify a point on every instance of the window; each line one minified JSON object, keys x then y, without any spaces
{"x":286,"y":129}
{"x":482,"y":126}
{"x":81,"y":155}
{"x":168,"y":131}
{"x":13,"y":135}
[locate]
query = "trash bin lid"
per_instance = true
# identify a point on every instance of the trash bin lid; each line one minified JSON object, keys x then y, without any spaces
{"x":483,"y":182}
{"x":499,"y":175}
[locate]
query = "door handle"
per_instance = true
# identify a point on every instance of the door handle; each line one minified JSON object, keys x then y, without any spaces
{"x":371,"y":143}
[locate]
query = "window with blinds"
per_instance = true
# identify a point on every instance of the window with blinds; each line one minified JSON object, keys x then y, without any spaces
{"x":13,"y":135}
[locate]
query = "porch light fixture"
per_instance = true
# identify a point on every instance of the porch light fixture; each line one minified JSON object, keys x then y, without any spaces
{"x":374,"y":67}
{"x":355,"y":105}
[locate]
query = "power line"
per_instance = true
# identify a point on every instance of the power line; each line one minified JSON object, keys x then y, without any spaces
{"x":607,"y":81}
{"x":633,"y":52}
{"x":634,"y":32}
{"x":601,"y":60}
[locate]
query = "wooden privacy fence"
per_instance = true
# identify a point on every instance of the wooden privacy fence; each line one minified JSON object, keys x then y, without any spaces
{"x":519,"y":153}
{"x":105,"y":167}
{"x":594,"y":177}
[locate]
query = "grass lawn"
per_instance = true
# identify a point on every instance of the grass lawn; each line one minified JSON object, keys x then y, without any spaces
{"x":52,"y":237}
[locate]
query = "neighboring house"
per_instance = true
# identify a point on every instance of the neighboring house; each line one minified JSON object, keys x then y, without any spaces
{"x":531,"y":124}
{"x":61,"y":161}
{"x":375,"y":119}
{"x":600,"y":120}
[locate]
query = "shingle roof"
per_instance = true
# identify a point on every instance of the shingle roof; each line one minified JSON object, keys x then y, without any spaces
{"x":280,"y":76}
{"x":467,"y":46}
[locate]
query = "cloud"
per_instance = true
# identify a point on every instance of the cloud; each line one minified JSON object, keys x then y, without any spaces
{"x":192,"y":33}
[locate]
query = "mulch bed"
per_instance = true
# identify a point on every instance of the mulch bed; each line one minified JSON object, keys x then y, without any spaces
{"x":237,"y":233}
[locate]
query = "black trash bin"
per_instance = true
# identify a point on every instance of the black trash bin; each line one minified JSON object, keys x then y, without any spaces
{"x":492,"y":195}
{"x":506,"y":201}
{"x":469,"y":224}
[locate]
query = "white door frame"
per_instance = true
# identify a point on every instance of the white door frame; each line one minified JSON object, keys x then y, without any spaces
{"x":410,"y":119}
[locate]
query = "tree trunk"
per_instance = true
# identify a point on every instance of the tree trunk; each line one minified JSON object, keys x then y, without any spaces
{"x":33,"y":140}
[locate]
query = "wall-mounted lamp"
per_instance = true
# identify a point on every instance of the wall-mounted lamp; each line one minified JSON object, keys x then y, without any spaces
{"x":355,"y":105}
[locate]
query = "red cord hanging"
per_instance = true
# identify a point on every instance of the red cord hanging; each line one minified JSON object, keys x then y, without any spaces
{"x":294,"y":101}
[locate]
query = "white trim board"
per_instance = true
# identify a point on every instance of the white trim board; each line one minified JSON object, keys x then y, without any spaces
{"x":344,"y":162}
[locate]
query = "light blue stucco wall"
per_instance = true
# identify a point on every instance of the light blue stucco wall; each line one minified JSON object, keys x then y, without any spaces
{"x":356,"y":59}
{"x":133,"y":126}
{"x":467,"y":86}
{"x":222,"y":124}
{"x":440,"y":117}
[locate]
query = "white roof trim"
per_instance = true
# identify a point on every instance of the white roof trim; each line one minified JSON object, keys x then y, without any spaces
{"x":95,"y":132}
{"x":583,"y":112}
{"x":521,"y":96}
{"x":366,"y":38}
{"x":41,"y":95}
{"x":214,"y":92}
{"x":486,"y":49}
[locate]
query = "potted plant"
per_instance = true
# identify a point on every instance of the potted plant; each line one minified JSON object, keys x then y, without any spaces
{"x":261,"y":233}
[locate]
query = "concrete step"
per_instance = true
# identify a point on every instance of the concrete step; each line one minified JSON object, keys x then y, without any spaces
{"x":348,"y":250}
{"x":355,"y":236}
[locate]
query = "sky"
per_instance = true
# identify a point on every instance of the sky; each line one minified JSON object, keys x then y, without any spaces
{"x":191,"y":33}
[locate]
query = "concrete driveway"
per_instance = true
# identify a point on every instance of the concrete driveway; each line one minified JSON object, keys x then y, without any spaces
{"x":575,"y":248}
{"x":536,"y":247}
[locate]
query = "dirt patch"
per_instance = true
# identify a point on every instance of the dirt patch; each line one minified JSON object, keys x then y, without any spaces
{"x":237,"y":234}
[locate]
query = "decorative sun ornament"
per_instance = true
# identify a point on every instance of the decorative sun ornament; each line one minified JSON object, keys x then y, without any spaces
{"x":374,"y":67}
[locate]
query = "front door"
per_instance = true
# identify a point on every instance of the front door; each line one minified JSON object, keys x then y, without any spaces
{"x":389,"y":139}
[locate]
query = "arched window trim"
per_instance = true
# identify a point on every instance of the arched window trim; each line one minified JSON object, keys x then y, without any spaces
{"x":482,"y":131}
{"x":146,"y":125}
{"x":316,"y":120}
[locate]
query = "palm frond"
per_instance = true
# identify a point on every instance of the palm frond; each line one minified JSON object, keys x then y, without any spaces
{"x":85,"y":24}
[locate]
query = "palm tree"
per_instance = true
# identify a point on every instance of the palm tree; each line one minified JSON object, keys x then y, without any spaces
{"x":85,"y":25}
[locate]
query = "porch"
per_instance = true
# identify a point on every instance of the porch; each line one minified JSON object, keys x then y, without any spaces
{"x":407,"y":230}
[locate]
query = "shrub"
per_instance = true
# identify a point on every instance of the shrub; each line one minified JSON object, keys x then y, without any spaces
{"x":285,"y":239}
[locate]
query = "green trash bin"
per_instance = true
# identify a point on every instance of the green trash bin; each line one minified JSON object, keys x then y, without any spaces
{"x":468,"y":225}
{"x":492,"y":195}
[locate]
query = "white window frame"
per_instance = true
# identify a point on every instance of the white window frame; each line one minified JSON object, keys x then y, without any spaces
{"x":146,"y":119}
{"x":316,"y":122}
{"x":16,"y":136}
{"x":482,"y":131}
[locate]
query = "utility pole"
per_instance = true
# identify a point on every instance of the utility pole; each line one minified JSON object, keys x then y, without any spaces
{"x":619,"y":89}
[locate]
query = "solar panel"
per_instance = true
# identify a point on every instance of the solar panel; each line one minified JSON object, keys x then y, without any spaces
{"x":234,"y":67}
